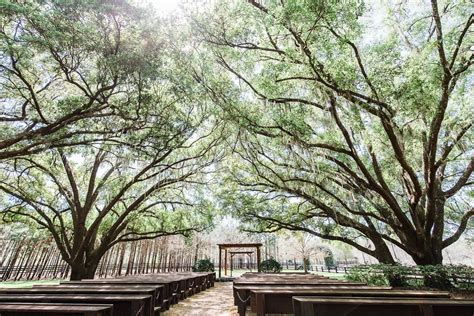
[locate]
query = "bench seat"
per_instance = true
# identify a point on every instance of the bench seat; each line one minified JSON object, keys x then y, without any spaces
{"x":123,"y":305}
{"x":46,"y":309}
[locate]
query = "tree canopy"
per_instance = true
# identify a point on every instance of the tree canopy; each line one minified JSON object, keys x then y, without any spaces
{"x":108,"y":139}
{"x":348,"y":120}
{"x":346,"y":133}
{"x":66,"y":72}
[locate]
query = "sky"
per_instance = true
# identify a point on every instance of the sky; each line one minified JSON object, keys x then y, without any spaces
{"x":163,"y":7}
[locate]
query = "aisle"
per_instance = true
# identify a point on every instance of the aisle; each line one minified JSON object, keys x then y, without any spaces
{"x":216,"y":301}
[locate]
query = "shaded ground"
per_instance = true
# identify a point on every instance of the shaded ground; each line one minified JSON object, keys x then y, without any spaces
{"x":216,"y":301}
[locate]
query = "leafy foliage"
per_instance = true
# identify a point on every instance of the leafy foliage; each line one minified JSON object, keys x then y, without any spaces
{"x":203,"y":265}
{"x":443,"y":277}
{"x":270,"y":266}
{"x":115,"y":141}
{"x":113,"y":121}
{"x":349,"y":136}
{"x":329,"y":261}
{"x":68,"y":70}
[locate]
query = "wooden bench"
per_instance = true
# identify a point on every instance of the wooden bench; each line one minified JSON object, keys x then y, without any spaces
{"x":211,"y":278}
{"x":51,"y":290}
{"x":248,"y":273}
{"x":187,"y":283}
{"x":123,"y":305}
{"x":162,"y":288}
{"x":46,"y":309}
{"x":177,"y":285}
{"x":295,"y":282}
{"x":242,"y":293}
{"x":278,"y":301}
{"x":344,"y":306}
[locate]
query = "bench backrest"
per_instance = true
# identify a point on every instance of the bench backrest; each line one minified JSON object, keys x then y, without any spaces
{"x":332,"y":306}
{"x":275,"y":301}
{"x":123,"y":305}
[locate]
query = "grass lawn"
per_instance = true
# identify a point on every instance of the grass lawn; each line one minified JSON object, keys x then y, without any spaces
{"x":20,"y":284}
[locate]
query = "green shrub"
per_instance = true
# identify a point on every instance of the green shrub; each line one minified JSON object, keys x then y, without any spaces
{"x":443,"y":277}
{"x":329,"y":261}
{"x":461,"y":273}
{"x":396,"y":274}
{"x":270,"y":266}
{"x":369,"y":274}
{"x":203,"y":265}
{"x":436,"y":277}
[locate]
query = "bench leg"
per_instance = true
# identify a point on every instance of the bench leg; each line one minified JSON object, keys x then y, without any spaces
{"x":260,"y":302}
{"x":241,"y":307}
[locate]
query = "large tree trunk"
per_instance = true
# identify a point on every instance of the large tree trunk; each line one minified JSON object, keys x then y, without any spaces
{"x":83,"y":270}
{"x":429,"y":257}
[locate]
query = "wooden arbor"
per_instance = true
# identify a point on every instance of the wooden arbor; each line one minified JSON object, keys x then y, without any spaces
{"x":234,"y":253}
{"x":225,"y":247}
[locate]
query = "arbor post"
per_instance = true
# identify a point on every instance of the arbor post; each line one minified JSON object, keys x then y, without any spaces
{"x":220,"y":260}
{"x":258,"y":258}
{"x":225,"y":261}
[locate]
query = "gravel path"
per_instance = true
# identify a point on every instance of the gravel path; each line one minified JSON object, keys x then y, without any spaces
{"x":216,"y":301}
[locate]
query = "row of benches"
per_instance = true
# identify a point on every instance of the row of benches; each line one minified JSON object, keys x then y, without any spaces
{"x":145,"y":295}
{"x":308,"y":295}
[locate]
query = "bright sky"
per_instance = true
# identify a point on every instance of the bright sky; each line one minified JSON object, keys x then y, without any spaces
{"x":163,"y":7}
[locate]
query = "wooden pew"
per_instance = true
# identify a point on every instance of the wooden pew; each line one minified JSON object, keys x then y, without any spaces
{"x":278,"y":301}
{"x":296,"y":282}
{"x":178,"y":285}
{"x":242,"y":293}
{"x":47,"y":309}
{"x":189,"y":282}
{"x":201,"y":281}
{"x":290,"y":282}
{"x":343,"y":306}
{"x":123,"y":305}
{"x":249,"y":275}
{"x":162,"y":288}
{"x":141,"y":290}
{"x":211,"y":277}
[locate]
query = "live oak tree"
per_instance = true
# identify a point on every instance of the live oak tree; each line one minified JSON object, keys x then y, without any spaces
{"x":136,"y":139}
{"x":348,"y":128}
{"x":60,"y":64}
{"x":91,"y":198}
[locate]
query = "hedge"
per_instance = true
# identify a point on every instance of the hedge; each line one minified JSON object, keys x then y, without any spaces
{"x":444,"y":277}
{"x":270,"y":266}
{"x":203,"y":265}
